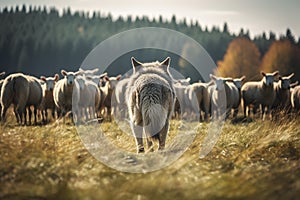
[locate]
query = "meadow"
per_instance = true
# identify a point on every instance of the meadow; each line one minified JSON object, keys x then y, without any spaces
{"x":253,"y":160}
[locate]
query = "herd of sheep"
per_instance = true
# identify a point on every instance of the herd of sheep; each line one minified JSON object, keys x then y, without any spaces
{"x":88,"y":96}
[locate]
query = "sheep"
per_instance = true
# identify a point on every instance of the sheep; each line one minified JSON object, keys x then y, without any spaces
{"x":66,"y":93}
{"x":97,"y":79}
{"x":48,"y":101}
{"x":238,"y":82}
{"x":259,"y":93}
{"x":1,"y":83}
{"x":182,"y":104}
{"x":185,"y":81}
{"x":202,"y":99}
{"x":150,"y":98}
{"x":120,"y":102}
{"x":15,"y":90}
{"x":88,"y":72}
{"x":283,"y":94}
{"x":224,"y":96}
{"x":295,"y":98}
{"x":35,"y":96}
{"x":22,"y":91}
{"x":107,"y":92}
{"x":89,"y":96}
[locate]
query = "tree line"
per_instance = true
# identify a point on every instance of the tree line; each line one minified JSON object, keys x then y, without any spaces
{"x":41,"y":41}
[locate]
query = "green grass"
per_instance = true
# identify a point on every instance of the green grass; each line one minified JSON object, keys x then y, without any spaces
{"x":258,"y":160}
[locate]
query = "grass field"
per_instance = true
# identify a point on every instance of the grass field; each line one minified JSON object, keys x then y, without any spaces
{"x":256,"y":160}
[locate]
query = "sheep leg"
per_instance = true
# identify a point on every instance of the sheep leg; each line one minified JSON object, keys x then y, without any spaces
{"x":35,"y":115}
{"x":23,"y":115}
{"x":29,"y":115}
{"x":53,"y":112}
{"x":3,"y":113}
{"x":245,"y":110}
{"x":235,"y":112}
{"x":263,"y":111}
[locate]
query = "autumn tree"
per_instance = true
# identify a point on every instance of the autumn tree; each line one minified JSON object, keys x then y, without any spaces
{"x":283,"y":56}
{"x":241,"y":58}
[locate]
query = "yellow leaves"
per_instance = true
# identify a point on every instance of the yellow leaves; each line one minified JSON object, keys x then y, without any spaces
{"x":242,"y":58}
{"x":283,"y":56}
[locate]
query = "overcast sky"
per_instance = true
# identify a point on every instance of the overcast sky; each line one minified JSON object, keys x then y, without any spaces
{"x":255,"y":15}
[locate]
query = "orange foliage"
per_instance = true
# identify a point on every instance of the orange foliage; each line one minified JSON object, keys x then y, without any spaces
{"x":283,"y":56}
{"x":242,"y":58}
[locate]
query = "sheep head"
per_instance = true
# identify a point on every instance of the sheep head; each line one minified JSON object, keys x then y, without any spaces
{"x":268,"y":78}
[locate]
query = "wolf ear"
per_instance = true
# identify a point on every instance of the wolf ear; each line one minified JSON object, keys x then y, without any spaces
{"x":166,"y":62}
{"x":135,"y":63}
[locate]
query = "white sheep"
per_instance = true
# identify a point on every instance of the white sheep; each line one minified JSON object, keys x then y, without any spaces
{"x":295,"y":98}
{"x":89,"y":97}
{"x":15,"y":90}
{"x":66,"y":94}
{"x":121,"y":107}
{"x":34,"y":98}
{"x":224,"y":96}
{"x":282,"y":88}
{"x":48,"y":100}
{"x":107,"y":92}
{"x":259,"y":93}
{"x":22,"y":91}
{"x":1,"y":83}
{"x":199,"y":92}
{"x":88,"y":72}
{"x":238,"y":82}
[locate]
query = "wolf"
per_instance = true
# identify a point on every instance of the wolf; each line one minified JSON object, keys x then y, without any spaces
{"x":150,"y":98}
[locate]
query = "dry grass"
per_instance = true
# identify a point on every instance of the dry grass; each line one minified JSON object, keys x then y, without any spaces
{"x":258,"y":160}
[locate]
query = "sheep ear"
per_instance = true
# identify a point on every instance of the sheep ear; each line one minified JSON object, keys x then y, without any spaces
{"x":166,"y":62}
{"x":103,"y":75}
{"x":95,"y":70}
{"x":79,"y":73}
{"x":63,"y":72}
{"x":106,"y":78}
{"x":290,"y":76}
{"x":43,"y":78}
{"x":2,"y":73}
{"x":56,"y":77}
{"x":212,"y":77}
{"x":294,"y":84}
{"x":275,"y":73}
{"x":188,"y":79}
{"x":228,"y":79}
{"x":135,"y":63}
{"x":280,"y":78}
{"x":263,"y":73}
{"x":243,"y":78}
{"x":210,"y":83}
{"x":118,"y":77}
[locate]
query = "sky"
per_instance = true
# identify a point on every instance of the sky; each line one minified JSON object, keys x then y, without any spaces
{"x":253,"y":15}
